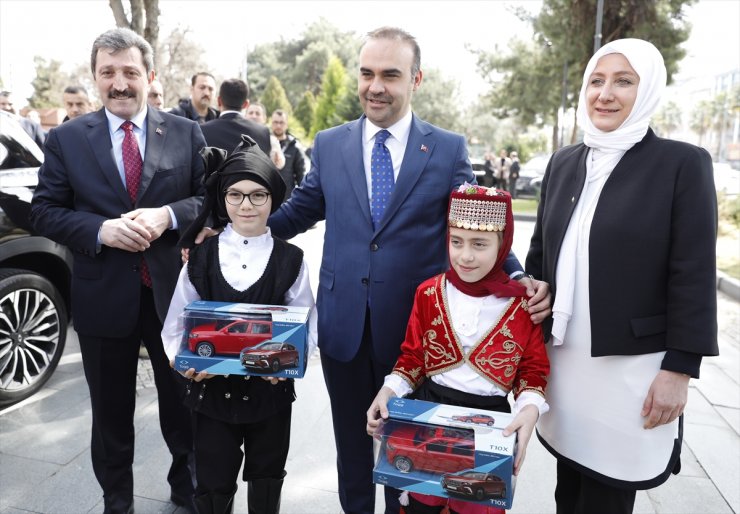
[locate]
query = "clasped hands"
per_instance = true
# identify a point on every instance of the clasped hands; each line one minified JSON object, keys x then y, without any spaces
{"x":135,"y":230}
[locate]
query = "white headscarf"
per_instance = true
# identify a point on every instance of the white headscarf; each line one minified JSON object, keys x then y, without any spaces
{"x":646,"y":60}
{"x":607,"y":148}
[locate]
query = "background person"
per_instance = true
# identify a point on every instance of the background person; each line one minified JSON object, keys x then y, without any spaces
{"x":226,"y":131}
{"x":295,"y":159}
{"x":501,"y":166}
{"x":198,"y":106}
{"x":155,"y":96}
{"x":258,"y":114}
{"x":76,"y":102}
{"x":116,"y":186}
{"x":625,"y":235}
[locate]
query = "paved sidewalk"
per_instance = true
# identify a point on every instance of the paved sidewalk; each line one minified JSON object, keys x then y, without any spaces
{"x":45,"y":457}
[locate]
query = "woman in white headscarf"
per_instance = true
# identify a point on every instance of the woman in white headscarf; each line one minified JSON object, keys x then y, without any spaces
{"x":625,"y":235}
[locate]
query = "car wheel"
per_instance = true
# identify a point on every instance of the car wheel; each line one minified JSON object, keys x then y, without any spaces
{"x":33,"y":330}
{"x":490,"y":423}
{"x":480,"y":494}
{"x":403,"y":464}
{"x":295,"y":362}
{"x":503,"y":493}
{"x":275,"y":366}
{"x":205,"y":349}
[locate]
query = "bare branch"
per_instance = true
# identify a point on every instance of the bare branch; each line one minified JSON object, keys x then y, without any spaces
{"x":119,"y":14}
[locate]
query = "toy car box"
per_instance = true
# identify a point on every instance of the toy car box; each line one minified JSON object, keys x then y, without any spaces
{"x":244,"y":339}
{"x":447,"y":451}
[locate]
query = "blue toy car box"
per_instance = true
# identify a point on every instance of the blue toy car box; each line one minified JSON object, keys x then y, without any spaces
{"x":447,"y":451}
{"x":244,"y":339}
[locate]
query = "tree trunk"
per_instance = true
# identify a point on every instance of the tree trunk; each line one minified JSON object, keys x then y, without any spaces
{"x":137,"y":16}
{"x":555,"y":132}
{"x":151,"y":29}
{"x":575,"y":128}
{"x":119,"y":14}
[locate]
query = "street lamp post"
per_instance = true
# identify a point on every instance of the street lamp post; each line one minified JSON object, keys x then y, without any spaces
{"x":599,"y":18}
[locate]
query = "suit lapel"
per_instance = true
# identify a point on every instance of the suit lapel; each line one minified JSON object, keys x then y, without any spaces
{"x":155,"y":137}
{"x":419,"y":148}
{"x":98,"y":136}
{"x":352,"y":158}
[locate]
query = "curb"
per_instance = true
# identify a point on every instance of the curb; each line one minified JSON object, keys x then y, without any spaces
{"x":725,"y":283}
{"x":728,"y":285}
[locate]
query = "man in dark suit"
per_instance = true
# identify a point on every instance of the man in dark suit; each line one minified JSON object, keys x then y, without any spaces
{"x":377,"y":247}
{"x":226,"y":131}
{"x":116,"y":187}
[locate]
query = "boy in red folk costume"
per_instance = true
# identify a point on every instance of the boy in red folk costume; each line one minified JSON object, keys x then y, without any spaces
{"x":470,"y":340}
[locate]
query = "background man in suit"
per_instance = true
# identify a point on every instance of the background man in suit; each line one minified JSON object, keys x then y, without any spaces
{"x":198,"y":106}
{"x":155,"y":96}
{"x":116,"y":186}
{"x":32,"y":128}
{"x":295,"y":159}
{"x":76,"y":102}
{"x":226,"y":131}
{"x":378,"y":247}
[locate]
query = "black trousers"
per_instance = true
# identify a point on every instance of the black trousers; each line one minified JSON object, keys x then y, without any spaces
{"x":219,"y":455}
{"x":110,"y":365}
{"x":352,"y":387}
{"x":577,"y":493}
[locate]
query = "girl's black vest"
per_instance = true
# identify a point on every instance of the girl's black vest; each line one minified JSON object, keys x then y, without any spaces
{"x":240,"y":399}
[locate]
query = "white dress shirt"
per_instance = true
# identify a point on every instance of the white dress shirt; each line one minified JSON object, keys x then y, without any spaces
{"x":241,"y":265}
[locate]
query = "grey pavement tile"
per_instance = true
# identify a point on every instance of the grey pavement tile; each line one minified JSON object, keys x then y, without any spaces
{"x":684,"y":495}
{"x":719,"y":387}
{"x":731,"y":416}
{"x":699,"y":411}
{"x":535,"y":486}
{"x":16,"y":475}
{"x":717,"y":449}
{"x":643,"y":505}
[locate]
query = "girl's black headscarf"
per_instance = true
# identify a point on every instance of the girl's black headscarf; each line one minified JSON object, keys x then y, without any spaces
{"x":246,"y":162}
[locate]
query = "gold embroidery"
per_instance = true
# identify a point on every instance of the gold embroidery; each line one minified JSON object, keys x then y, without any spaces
{"x":429,"y":291}
{"x":437,"y":321}
{"x":434,"y":351}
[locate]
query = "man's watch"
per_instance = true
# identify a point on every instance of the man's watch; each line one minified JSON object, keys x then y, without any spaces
{"x":526,"y":275}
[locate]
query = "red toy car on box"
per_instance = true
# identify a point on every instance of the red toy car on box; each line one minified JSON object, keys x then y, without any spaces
{"x":474,"y":484}
{"x":430,"y":448}
{"x":228,"y":337}
{"x":480,"y":419}
{"x":270,"y":356}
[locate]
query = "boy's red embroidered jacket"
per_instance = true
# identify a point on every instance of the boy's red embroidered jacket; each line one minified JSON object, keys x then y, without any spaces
{"x":511,"y":354}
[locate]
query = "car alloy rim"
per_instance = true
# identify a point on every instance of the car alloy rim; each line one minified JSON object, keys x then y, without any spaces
{"x":29,"y":337}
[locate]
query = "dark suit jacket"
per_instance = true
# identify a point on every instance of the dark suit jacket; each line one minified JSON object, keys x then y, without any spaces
{"x":80,"y":187}
{"x":382,"y":265}
{"x":652,"y":266}
{"x":226,"y":132}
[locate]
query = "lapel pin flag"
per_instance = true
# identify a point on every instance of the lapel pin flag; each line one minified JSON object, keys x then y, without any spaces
{"x":158,"y":131}
{"x":423,"y":148}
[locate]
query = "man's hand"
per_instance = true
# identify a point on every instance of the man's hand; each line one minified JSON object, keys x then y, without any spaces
{"x":124,"y":234}
{"x":523,"y":424}
{"x":540,"y":299}
{"x":154,"y":220}
{"x":202,"y":235}
{"x":378,"y":409}
{"x":666,"y":398}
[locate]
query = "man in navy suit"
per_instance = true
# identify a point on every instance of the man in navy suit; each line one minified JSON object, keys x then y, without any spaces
{"x":373,"y":263}
{"x":226,"y":131}
{"x":116,"y":187}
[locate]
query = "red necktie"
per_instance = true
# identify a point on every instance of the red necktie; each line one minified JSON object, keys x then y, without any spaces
{"x":132,"y":165}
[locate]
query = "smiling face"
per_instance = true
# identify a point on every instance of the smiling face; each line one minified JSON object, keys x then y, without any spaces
{"x":248,"y":220}
{"x":385,"y":85}
{"x":473,"y":253}
{"x":611,"y":92}
{"x":122,"y":81}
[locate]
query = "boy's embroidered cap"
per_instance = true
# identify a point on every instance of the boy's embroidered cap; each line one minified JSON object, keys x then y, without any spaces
{"x":479,"y":208}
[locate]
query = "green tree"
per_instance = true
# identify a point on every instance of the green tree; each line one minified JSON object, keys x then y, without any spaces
{"x":436,"y":101}
{"x":667,"y":119}
{"x":333,"y":92}
{"x":528,"y":81}
{"x":273,"y":97}
{"x":701,"y":119}
{"x":304,"y":111}
{"x":51,"y":80}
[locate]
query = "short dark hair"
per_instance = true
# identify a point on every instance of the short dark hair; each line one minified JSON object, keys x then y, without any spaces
{"x":5,"y":93}
{"x":280,"y":112}
{"x":400,"y":35}
{"x":200,"y":74}
{"x":233,"y":94}
{"x":74,"y":90}
{"x":122,"y":39}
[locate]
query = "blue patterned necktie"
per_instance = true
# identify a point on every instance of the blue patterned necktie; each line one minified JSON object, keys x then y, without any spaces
{"x":381,"y":172}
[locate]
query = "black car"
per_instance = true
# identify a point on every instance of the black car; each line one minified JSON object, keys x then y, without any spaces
{"x":35,"y":275}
